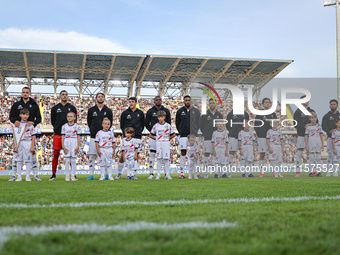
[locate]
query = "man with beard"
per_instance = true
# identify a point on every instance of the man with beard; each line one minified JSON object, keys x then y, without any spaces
{"x":26,"y":102}
{"x":303,"y":122}
{"x":132,"y":117}
{"x":59,"y":118}
{"x":95,"y":116}
{"x":329,"y":126}
{"x":187,"y":123}
{"x":261,"y":131}
{"x":208,"y":127}
{"x":150,"y":120}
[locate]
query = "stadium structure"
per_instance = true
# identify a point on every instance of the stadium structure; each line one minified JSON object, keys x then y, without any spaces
{"x":90,"y":73}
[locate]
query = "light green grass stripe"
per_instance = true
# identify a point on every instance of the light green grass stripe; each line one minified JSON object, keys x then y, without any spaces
{"x":173,"y":202}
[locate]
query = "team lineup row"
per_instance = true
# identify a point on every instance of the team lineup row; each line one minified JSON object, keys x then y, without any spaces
{"x":188,"y":122}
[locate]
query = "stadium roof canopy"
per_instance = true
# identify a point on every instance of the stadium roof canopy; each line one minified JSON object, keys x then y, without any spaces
{"x":107,"y":71}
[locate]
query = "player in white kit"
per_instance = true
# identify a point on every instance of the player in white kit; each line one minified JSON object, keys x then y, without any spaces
{"x":24,"y":142}
{"x":314,"y":144}
{"x":275,"y":146}
{"x":336,"y":148}
{"x":70,"y":142}
{"x":246,"y":143}
{"x":219,"y":140}
{"x":105,"y":144}
{"x":193,"y":152}
{"x":162,"y":132}
{"x":129,"y":152}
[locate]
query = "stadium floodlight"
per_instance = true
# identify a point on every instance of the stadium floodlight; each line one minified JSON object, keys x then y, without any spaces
{"x":336,"y":3}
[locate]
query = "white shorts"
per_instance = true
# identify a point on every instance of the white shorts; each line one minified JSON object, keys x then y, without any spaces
{"x":163,"y":150}
{"x":106,"y":158}
{"x":300,"y":143}
{"x":314,"y":145}
{"x":233,"y":144}
{"x":262,"y":145}
{"x":277,"y":153}
{"x":329,"y":146}
{"x":152,"y":144}
{"x":207,"y":146}
{"x":220,"y":157}
{"x":92,"y":147}
{"x":70,"y":145}
{"x":129,"y":164}
{"x":248,"y":153}
{"x":24,"y":153}
{"x":337,"y":156}
{"x":139,"y":145}
{"x":183,"y":143}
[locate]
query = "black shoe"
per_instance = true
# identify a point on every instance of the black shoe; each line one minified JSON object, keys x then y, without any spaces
{"x":53,"y":178}
{"x":243,"y":175}
{"x":251,"y":175}
{"x":224,"y":176}
{"x":216,"y":176}
{"x":318,"y":175}
{"x":310,"y":174}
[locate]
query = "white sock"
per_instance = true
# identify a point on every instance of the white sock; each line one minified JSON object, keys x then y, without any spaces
{"x":261,"y":163}
{"x":67,"y":166}
{"x":312,"y":160}
{"x":136,"y":167}
{"x":159,"y":166}
{"x":102,"y":171}
{"x":152,"y":161}
{"x":120,"y":167}
{"x":166,"y":163}
{"x":28,"y":168}
{"x":274,"y":165}
{"x":318,"y":158}
{"x":248,"y":165}
{"x":182,"y":163}
{"x":35,"y":165}
{"x":298,"y":160}
{"x":128,"y":170}
{"x":230,"y":159}
{"x":19,"y":167}
{"x":92,"y":159}
{"x":330,"y":160}
{"x":14,"y":168}
{"x":73,"y":166}
{"x":205,"y":162}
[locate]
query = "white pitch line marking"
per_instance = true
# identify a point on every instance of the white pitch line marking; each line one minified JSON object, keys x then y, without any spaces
{"x":172,"y":202}
{"x":6,"y":233}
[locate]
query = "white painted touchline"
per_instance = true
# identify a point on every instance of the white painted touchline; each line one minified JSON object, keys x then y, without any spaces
{"x":173,"y":202}
{"x":6,"y":233}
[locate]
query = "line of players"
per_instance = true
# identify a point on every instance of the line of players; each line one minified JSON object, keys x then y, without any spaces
{"x":188,"y":121}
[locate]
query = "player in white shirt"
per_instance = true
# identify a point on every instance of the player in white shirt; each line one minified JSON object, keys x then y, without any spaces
{"x":193,"y":152}
{"x":314,"y":143}
{"x":70,"y":141}
{"x":129,"y":152}
{"x":275,"y":146}
{"x":162,"y":132}
{"x":336,"y":147}
{"x":246,"y":144}
{"x":105,"y":144}
{"x":220,"y":142}
{"x":24,"y":142}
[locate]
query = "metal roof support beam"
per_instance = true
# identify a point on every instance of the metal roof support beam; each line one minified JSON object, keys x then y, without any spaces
{"x":213,"y":80}
{"x":192,"y":76}
{"x":55,"y":76}
{"x":141,"y":77}
{"x":134,"y":76}
{"x":162,"y":84}
{"x":245,"y":74}
{"x":82,"y":76}
{"x":27,"y":70}
{"x":109,"y":75}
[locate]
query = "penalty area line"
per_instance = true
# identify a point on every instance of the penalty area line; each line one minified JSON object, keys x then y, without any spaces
{"x":7,"y":233}
{"x":172,"y":202}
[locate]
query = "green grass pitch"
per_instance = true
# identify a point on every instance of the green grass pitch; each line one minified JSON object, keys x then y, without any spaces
{"x":275,"y":227}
